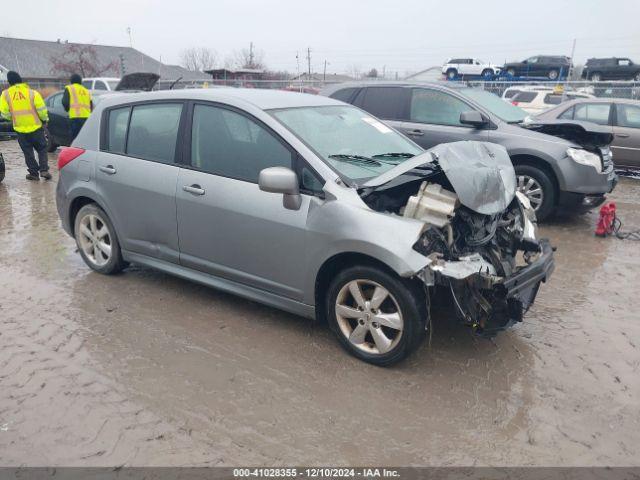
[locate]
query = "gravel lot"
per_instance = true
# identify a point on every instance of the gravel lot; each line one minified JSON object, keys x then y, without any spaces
{"x":146,"y":369}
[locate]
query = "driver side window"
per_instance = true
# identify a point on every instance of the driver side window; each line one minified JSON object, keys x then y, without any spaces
{"x":435,"y":107}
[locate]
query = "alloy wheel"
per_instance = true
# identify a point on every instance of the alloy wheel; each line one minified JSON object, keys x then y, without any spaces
{"x":530,"y":187}
{"x":553,"y":74}
{"x":95,"y":239}
{"x":369,"y":316}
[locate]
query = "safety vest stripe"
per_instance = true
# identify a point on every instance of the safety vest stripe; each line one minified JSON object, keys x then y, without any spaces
{"x":7,"y":97}
{"x":75,"y":104}
{"x":32,"y":101}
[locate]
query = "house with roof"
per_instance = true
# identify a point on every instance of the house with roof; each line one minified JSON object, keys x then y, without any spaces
{"x":35,"y":61}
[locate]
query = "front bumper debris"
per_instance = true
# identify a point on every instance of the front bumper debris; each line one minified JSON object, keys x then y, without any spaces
{"x":485,"y":301}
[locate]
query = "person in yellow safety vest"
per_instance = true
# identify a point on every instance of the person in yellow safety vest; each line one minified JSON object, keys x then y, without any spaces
{"x":26,"y":109}
{"x":77,"y":101}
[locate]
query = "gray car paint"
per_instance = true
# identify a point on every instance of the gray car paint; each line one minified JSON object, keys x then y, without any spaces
{"x":274,"y":261}
{"x":626,"y":141}
{"x":571,"y":176}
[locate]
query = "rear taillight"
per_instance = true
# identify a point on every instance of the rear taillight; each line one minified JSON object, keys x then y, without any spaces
{"x":514,"y":103}
{"x":67,"y":155}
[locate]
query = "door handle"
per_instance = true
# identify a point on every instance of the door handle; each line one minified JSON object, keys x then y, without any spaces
{"x":622,"y":135}
{"x":194,"y":189}
{"x":415,"y":133}
{"x":109,"y":170}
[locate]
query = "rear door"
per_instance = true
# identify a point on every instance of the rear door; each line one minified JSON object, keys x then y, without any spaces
{"x":137,"y":173}
{"x":58,"y":120}
{"x":626,"y":128}
{"x":227,"y":226}
{"x":433,"y":117}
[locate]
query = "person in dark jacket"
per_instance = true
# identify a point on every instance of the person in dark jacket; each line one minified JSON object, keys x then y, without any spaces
{"x":76,"y":100}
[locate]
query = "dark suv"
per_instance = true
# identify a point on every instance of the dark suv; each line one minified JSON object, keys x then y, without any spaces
{"x":563,"y":164}
{"x":551,"y":66}
{"x":613,"y":68}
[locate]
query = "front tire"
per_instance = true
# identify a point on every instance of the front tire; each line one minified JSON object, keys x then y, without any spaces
{"x":377,"y":316}
{"x":487,"y":73}
{"x":536,"y":185}
{"x":553,"y":74}
{"x":97,"y":241}
{"x":452,"y":73}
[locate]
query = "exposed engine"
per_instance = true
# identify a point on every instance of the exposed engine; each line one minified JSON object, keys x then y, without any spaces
{"x":479,"y":234}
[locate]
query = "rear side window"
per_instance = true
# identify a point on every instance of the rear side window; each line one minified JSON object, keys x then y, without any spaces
{"x":552,"y":99}
{"x":153,"y":132}
{"x":345,"y":95}
{"x":118,"y":120}
{"x":567,"y":114}
{"x":439,"y":108}
{"x":511,"y":93}
{"x":628,"y":116}
{"x":100,"y":85}
{"x":385,"y":102}
{"x":226,"y":143}
{"x":593,"y":112}
{"x":525,"y":97}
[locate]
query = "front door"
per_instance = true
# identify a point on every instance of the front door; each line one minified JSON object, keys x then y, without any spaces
{"x":227,"y":226}
{"x":137,"y":173}
{"x":434,"y":118}
{"x":626,"y":130}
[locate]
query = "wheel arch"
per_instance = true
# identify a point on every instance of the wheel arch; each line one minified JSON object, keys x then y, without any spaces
{"x":533,"y":161}
{"x":80,"y":201}
{"x":341,"y":261}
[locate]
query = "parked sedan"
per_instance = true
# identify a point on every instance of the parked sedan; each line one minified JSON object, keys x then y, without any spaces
{"x":307,"y":204}
{"x":620,"y":116}
{"x":559,"y":167}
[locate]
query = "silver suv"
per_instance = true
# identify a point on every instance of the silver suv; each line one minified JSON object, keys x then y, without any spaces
{"x":305,"y":204}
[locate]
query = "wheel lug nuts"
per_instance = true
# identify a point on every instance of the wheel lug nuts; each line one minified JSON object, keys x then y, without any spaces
{"x":375,"y":325}
{"x":361,"y":321}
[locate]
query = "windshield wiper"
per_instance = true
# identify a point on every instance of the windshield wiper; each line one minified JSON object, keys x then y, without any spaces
{"x":343,"y":157}
{"x":394,"y":155}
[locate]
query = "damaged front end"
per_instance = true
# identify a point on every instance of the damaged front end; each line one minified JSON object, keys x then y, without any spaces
{"x":479,"y":235}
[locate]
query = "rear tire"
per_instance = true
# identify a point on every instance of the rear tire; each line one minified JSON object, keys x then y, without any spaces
{"x":511,"y":72}
{"x":487,"y":73}
{"x":377,"y":332}
{"x":97,"y":241}
{"x":452,"y":73}
{"x":553,"y":74}
{"x":529,"y":180}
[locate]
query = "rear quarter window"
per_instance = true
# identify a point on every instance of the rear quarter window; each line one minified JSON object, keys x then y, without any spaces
{"x":345,"y":95}
{"x":385,"y":102}
{"x":117,"y":121}
{"x":525,"y":97}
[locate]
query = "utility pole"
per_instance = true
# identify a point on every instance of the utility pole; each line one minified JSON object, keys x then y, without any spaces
{"x":251,"y":55}
{"x":573,"y":52}
{"x":324,"y":72}
{"x":130,"y":37}
{"x":309,"y":60}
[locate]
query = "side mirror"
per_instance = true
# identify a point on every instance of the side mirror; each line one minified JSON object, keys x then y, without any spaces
{"x":281,"y":180}
{"x":473,"y":118}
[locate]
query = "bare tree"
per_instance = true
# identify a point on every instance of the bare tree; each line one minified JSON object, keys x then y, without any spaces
{"x":81,"y":59}
{"x":373,"y":73}
{"x":250,"y":58}
{"x":198,"y":59}
{"x":354,"y":71}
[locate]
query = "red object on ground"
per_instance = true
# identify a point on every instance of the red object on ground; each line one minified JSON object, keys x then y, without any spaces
{"x":606,"y":220}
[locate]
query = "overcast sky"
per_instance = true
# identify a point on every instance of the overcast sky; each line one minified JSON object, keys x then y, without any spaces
{"x":400,"y":36}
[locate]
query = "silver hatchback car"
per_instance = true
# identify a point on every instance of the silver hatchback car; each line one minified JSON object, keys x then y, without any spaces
{"x":305,"y":204}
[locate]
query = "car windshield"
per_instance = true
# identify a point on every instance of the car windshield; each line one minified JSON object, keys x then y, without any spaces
{"x":503,"y":110}
{"x":354,"y":143}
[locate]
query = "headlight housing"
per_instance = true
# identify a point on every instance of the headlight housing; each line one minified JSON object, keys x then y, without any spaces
{"x":583,"y":157}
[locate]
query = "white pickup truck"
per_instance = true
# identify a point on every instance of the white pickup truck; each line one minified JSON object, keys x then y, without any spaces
{"x":462,"y":67}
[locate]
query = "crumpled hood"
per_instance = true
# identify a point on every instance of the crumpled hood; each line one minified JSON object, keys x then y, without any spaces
{"x":585,"y":134}
{"x":481,"y":173}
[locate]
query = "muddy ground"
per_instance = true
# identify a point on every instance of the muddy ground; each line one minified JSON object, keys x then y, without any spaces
{"x":146,"y":369}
